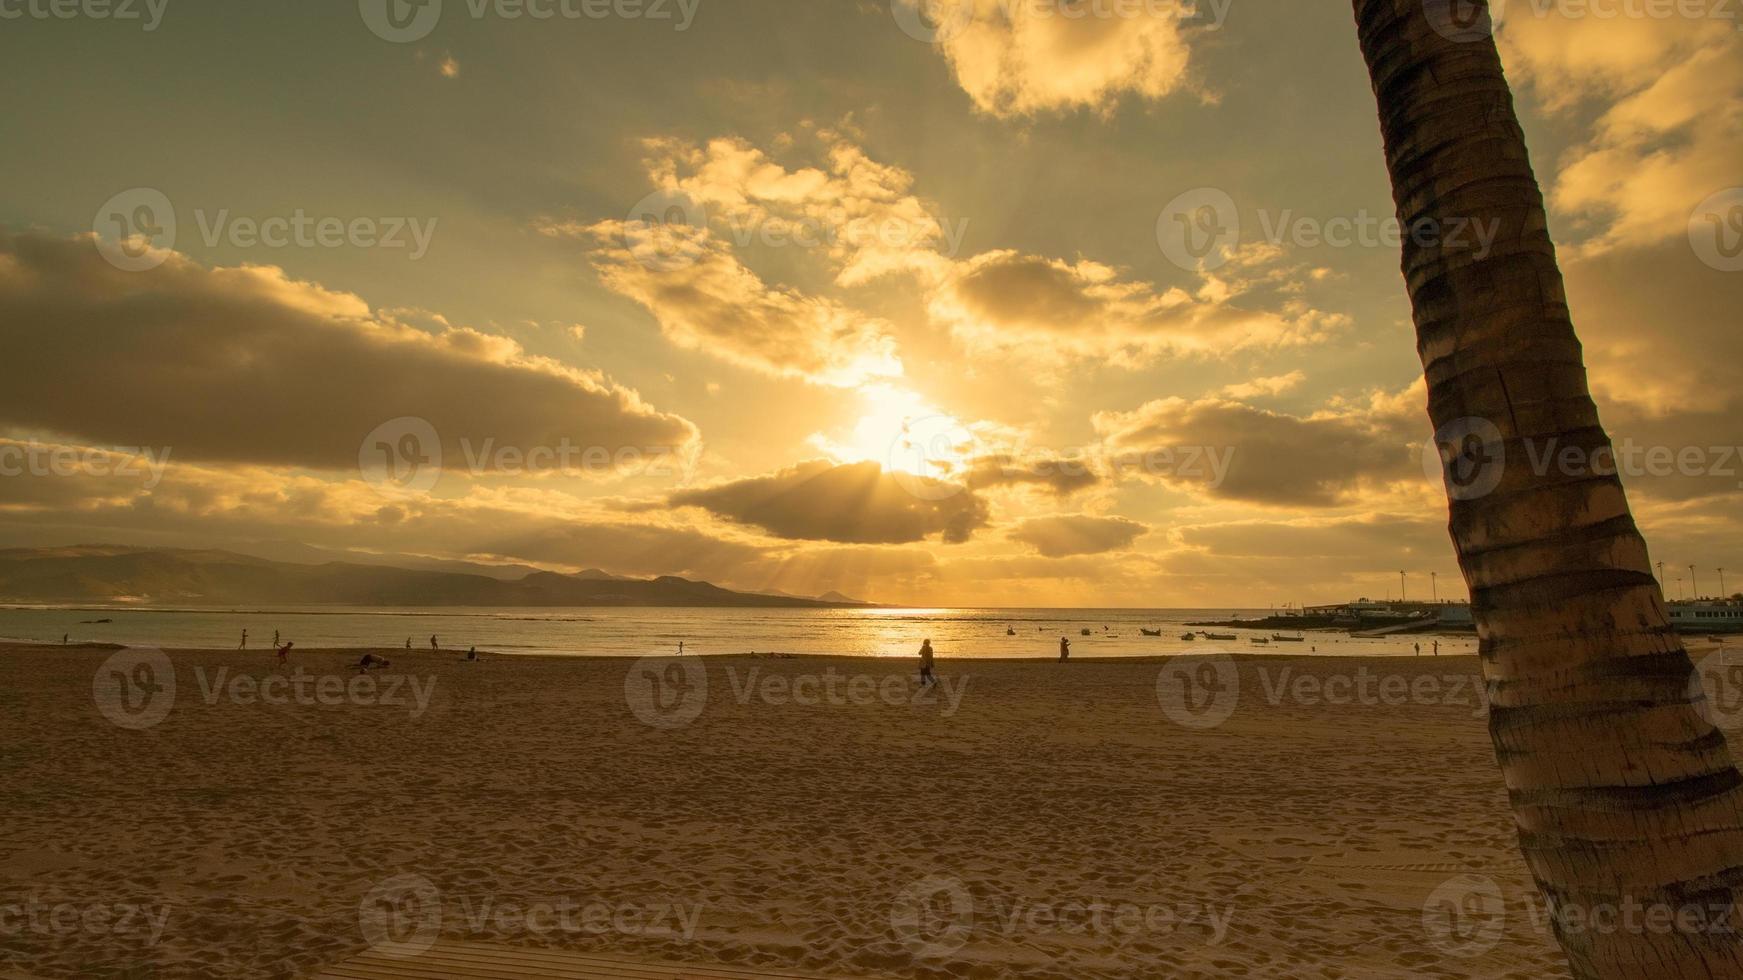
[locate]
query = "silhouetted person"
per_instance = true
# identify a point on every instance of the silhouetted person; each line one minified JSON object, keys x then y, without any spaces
{"x":64,"y":638}
{"x":926,"y":675}
{"x":1064,"y":649}
{"x":433,"y":645}
{"x":284,"y":652}
{"x":1419,"y":649}
{"x":1437,"y":648}
{"x":369,"y":662}
{"x":472,"y":653}
{"x":244,"y":644}
{"x":408,"y":643}
{"x":275,"y":637}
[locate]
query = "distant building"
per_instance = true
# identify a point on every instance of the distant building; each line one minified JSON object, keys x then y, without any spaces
{"x":1365,"y":610}
{"x":1707,"y":615}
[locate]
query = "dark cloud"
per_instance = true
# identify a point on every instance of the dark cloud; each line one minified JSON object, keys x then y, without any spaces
{"x":1234,"y":450}
{"x":1062,"y":475}
{"x":248,"y":365}
{"x":1077,"y":534}
{"x":856,"y":503}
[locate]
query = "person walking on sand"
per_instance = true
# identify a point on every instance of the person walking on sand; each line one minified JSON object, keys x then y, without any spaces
{"x":1064,"y":649}
{"x":433,"y":645}
{"x":275,"y":637}
{"x":284,"y":653}
{"x":408,"y":643}
{"x":926,"y":675}
{"x":1437,"y":648}
{"x":1419,"y":648}
{"x":244,"y":644}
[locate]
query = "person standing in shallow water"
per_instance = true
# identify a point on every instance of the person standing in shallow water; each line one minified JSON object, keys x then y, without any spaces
{"x":1064,"y":649}
{"x":926,"y":675}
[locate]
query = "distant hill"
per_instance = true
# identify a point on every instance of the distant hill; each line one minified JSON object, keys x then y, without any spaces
{"x":164,"y":576}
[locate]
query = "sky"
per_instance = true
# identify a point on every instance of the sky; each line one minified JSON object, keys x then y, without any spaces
{"x":989,"y":302}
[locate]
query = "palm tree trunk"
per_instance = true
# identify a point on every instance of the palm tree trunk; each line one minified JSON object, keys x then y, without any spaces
{"x":1624,"y":793}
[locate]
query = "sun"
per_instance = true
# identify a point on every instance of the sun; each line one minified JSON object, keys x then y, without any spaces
{"x":901,"y":431}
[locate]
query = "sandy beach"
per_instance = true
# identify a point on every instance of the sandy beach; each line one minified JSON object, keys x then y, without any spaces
{"x":1254,"y":816}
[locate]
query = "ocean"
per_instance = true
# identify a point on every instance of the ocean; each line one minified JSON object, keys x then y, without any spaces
{"x":635,"y":632}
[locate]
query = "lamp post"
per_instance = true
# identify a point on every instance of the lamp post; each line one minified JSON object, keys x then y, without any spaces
{"x":1403,"y":595}
{"x":1694,"y":583}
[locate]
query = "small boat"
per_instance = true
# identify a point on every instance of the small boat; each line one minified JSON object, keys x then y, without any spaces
{"x":1221,"y":636}
{"x":1189,"y":636}
{"x":1259,"y":640}
{"x":1280,"y":638}
{"x":1010,"y":632}
{"x":1149,"y":632}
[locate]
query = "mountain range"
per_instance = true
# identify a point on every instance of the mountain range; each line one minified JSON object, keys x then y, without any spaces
{"x":162,"y":576}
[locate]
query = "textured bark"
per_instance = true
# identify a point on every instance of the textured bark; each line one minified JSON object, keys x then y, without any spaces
{"x":1622,"y":789}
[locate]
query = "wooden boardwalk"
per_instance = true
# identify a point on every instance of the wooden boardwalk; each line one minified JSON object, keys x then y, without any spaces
{"x":482,"y":961}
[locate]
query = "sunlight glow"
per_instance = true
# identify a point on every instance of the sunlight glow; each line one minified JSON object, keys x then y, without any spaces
{"x":901,"y":431}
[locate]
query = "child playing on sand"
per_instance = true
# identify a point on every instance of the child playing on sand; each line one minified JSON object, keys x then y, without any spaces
{"x":284,"y":653}
{"x":371,"y":661}
{"x":1064,"y":649}
{"x":926,"y":676}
